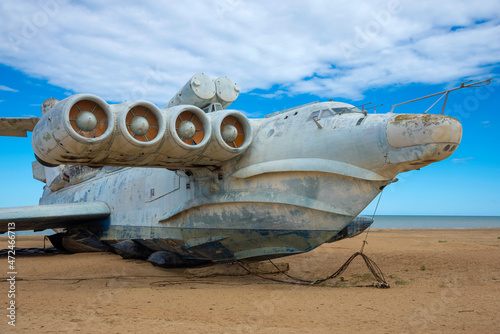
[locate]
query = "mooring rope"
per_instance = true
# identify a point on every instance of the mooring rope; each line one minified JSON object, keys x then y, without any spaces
{"x":373,"y":218}
{"x":372,"y":266}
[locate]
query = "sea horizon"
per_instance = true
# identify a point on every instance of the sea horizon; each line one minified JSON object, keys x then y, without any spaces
{"x":435,"y":221}
{"x":402,"y":222}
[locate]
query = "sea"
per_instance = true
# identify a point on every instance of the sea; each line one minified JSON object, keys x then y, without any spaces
{"x":401,"y":222}
{"x":435,"y":222}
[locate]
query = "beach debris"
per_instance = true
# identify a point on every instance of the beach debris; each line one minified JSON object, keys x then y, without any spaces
{"x":78,"y":241}
{"x":166,"y":259}
{"x":129,"y":249}
{"x":31,"y":251}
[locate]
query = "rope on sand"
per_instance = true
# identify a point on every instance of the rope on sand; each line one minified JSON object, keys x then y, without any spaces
{"x":372,"y":266}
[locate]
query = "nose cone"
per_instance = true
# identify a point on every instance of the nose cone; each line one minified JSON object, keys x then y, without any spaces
{"x":406,"y":130}
{"x":418,"y":140}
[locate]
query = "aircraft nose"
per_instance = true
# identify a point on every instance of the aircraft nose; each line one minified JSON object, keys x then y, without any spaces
{"x":404,"y":130}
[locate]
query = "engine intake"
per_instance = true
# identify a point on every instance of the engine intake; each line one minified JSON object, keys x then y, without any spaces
{"x":232,"y":134}
{"x":75,"y":129}
{"x":84,"y":130}
{"x":140,"y":132}
{"x":188,"y":132}
{"x":88,"y":119}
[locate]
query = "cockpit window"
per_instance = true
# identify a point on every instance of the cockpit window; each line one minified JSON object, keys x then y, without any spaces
{"x":330,"y":112}
{"x":344,"y":110}
{"x":314,"y":114}
{"x":326,"y":113}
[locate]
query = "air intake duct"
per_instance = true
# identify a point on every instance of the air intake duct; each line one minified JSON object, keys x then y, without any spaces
{"x":232,"y":133}
{"x":188,"y":131}
{"x":74,"y":130}
{"x":140,"y":132}
{"x":84,"y":130}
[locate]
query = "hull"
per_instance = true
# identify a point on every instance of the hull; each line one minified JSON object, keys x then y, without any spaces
{"x":264,"y":216}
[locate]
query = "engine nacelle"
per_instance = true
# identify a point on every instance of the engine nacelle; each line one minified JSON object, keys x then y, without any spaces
{"x":76,"y":130}
{"x":140,"y":131}
{"x":232,"y":133}
{"x":84,"y":130}
{"x":188,"y":131}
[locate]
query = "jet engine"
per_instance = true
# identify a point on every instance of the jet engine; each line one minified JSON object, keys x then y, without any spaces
{"x":188,"y":132}
{"x":232,"y":134}
{"x":84,"y":130}
{"x":73,"y":131}
{"x":140,"y":132}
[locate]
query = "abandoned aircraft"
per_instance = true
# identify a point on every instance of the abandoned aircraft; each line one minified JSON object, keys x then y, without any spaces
{"x":195,"y":182}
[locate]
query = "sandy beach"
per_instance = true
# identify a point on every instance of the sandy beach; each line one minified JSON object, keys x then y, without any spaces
{"x":442,"y":281}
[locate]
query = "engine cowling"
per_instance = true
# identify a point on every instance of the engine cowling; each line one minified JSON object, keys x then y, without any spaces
{"x":232,"y":133}
{"x":141,"y":129}
{"x":75,"y":130}
{"x":84,"y":130}
{"x":188,"y":132}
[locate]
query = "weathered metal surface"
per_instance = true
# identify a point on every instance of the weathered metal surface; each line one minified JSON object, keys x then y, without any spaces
{"x":47,"y":105}
{"x":238,"y":188}
{"x":287,"y":194}
{"x":42,"y":217}
{"x":38,"y":172}
{"x":308,"y":165}
{"x":137,"y":134}
{"x":411,"y":130}
{"x":354,"y":228}
{"x":202,"y":90}
{"x":17,"y":127}
{"x":56,"y":134}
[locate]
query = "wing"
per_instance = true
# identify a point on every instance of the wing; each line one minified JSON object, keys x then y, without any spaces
{"x":41,"y":217}
{"x":17,"y":126}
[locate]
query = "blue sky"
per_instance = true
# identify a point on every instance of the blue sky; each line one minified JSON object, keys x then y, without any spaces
{"x":283,"y":55}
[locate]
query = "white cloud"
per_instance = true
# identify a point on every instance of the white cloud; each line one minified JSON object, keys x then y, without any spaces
{"x":275,"y":95}
{"x":461,"y":160}
{"x":126,"y":49}
{"x":7,"y":89}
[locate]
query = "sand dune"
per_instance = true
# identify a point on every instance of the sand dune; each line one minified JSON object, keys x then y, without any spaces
{"x":442,"y":281}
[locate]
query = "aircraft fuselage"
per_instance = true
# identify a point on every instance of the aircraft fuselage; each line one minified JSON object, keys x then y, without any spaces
{"x":307,"y":174}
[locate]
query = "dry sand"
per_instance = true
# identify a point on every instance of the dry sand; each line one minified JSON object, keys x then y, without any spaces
{"x":442,"y":281}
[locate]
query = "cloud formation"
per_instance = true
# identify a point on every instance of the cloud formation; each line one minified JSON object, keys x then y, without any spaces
{"x":126,"y":49}
{"x":8,"y":89}
{"x":461,"y":160}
